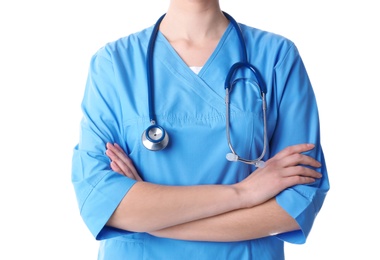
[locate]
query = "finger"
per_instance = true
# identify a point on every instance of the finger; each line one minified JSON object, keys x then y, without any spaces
{"x":116,"y":163}
{"x":119,"y":148}
{"x":111,"y":155}
{"x":298,"y":148}
{"x":120,"y":167}
{"x":300,"y":159}
{"x":117,"y":154}
{"x":299,"y":180}
{"x":304,"y":172}
{"x":128,"y":161}
{"x":116,"y":168}
{"x":296,"y":175}
{"x":113,"y":148}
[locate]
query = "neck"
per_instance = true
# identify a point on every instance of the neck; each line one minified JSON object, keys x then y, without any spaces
{"x":193,"y":20}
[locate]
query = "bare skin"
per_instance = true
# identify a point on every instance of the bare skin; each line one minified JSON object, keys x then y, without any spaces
{"x":245,"y":210}
{"x":194,"y":28}
{"x":241,"y":211}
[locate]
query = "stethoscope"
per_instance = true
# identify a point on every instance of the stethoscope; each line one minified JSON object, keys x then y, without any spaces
{"x":155,"y":137}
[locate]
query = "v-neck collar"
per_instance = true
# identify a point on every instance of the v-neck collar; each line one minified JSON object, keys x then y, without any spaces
{"x":161,"y":38}
{"x":206,"y":84}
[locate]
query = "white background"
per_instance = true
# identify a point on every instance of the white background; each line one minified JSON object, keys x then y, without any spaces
{"x":45,"y":49}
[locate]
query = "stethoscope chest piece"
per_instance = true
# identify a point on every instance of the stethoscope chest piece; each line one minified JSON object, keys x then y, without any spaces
{"x":155,"y":138}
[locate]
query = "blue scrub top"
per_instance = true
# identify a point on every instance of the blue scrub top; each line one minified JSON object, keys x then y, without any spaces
{"x":192,"y":109}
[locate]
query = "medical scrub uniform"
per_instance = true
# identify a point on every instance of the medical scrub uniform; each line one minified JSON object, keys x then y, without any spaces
{"x":191,"y":107}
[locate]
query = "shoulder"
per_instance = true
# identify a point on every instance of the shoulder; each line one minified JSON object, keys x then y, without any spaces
{"x":265,"y":38}
{"x":128,"y":45}
{"x":268,"y":45}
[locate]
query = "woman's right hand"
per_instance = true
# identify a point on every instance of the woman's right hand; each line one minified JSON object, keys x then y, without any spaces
{"x":287,"y":168}
{"x":120,"y":162}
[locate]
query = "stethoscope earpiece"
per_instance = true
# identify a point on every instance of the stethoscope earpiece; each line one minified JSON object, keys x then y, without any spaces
{"x":155,"y":138}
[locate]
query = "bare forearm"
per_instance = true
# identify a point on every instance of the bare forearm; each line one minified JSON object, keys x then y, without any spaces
{"x":149,"y":207}
{"x":242,"y":224}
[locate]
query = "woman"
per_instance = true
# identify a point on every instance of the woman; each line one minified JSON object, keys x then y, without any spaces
{"x":187,"y":201}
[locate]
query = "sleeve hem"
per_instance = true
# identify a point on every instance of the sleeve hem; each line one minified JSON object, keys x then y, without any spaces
{"x":302,"y":210}
{"x":101,"y":204}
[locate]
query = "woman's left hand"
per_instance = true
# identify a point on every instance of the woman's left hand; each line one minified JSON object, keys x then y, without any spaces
{"x":120,"y":162}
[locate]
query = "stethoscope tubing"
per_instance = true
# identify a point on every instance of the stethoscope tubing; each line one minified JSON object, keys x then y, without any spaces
{"x":149,"y":63}
{"x":155,"y":144}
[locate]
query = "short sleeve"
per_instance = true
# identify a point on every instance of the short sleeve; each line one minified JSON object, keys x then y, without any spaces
{"x":98,"y":189}
{"x":298,"y":122}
